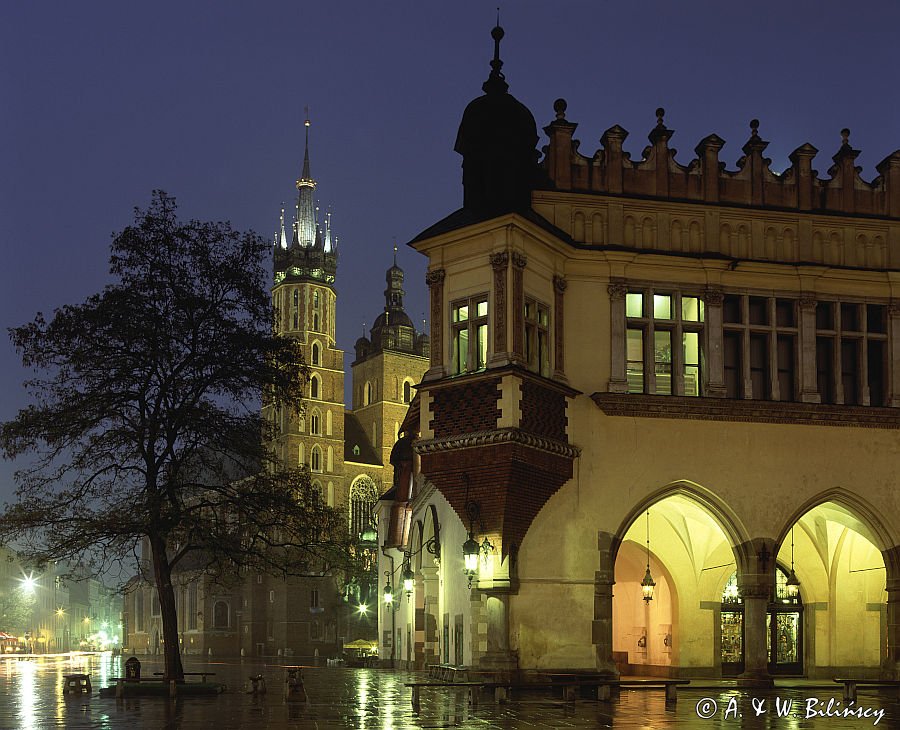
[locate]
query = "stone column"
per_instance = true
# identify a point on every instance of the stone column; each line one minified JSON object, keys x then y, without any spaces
{"x":893,"y":384}
{"x":618,"y":382}
{"x":559,"y":323}
{"x":435,"y":281}
{"x":500,"y":265}
{"x":519,"y":262}
{"x":890,"y":665}
{"x":602,"y":625}
{"x":712,"y":333}
{"x":809,"y":392}
{"x":498,"y":658}
{"x":756,"y":591}
{"x":431,"y":588}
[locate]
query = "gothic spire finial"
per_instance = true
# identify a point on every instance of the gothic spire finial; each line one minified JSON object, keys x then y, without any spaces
{"x":305,"y":174}
{"x":496,"y":83}
{"x":395,"y":250}
{"x":283,"y":240}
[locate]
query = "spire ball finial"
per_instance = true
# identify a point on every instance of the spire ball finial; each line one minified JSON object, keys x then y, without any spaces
{"x":845,"y":136}
{"x":560,"y":106}
{"x":754,"y":126}
{"x":660,"y":113}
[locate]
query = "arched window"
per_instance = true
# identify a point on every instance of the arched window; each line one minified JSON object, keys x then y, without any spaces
{"x":220,"y":615}
{"x":363,"y":496}
{"x":315,"y":462}
{"x":314,"y":424}
{"x":315,"y":353}
{"x":328,"y":424}
{"x":315,"y":299}
{"x":296,"y":308}
{"x":407,"y":392}
{"x":329,"y":461}
{"x":316,"y":321}
{"x":314,"y":387}
{"x":368,"y":397}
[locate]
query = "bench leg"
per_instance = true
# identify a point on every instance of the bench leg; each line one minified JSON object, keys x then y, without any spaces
{"x":415,"y":700}
{"x":501,"y":695}
{"x":671,"y":693}
{"x":473,"y":696}
{"x":603,"y":692}
{"x":850,"y":691}
{"x":569,"y":693}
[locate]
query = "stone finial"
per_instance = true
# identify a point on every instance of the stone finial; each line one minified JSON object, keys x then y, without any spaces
{"x":755,"y":143}
{"x":560,"y":106}
{"x":845,"y":136}
{"x":660,"y":132}
{"x":660,"y":113}
{"x":754,"y":127}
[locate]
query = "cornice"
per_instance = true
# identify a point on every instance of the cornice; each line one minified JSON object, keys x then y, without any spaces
{"x":499,"y":436}
{"x":636,"y":405}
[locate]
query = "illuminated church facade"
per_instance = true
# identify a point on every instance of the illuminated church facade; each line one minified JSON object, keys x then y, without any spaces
{"x":661,"y":412}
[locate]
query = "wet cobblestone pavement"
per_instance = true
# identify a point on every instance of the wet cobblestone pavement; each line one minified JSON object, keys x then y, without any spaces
{"x":375,"y":699}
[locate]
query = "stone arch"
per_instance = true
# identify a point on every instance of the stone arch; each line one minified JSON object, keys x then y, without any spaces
{"x":788,"y":245}
{"x":725,"y":238}
{"x":598,"y":228}
{"x":677,"y":236}
{"x":721,"y":513}
{"x":629,"y":231}
{"x":696,"y":237}
{"x":771,"y":244}
{"x":872,"y":524}
{"x":578,"y":226}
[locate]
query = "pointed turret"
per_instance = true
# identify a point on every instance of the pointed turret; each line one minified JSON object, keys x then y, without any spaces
{"x":283,"y":236}
{"x":305,"y":216}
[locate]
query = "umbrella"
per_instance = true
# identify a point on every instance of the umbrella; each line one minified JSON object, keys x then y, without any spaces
{"x":361,"y":644}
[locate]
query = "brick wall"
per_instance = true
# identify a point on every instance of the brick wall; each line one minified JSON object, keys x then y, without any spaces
{"x":543,"y":411}
{"x":466,"y":407}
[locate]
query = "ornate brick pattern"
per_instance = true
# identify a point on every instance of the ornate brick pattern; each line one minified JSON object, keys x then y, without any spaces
{"x":465,"y":407}
{"x":543,"y":411}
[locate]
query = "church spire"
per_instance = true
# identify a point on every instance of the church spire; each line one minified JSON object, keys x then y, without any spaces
{"x":305,"y":215}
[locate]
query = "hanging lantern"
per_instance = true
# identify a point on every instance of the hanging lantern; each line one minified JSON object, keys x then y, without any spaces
{"x":648,"y":584}
{"x":470,"y":557}
{"x":792,"y":584}
{"x":388,"y":595}
{"x":408,"y":580}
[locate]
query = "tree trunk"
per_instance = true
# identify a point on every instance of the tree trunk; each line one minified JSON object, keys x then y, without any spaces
{"x":162,"y":573}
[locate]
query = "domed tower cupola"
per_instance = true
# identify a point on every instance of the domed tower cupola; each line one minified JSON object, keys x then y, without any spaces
{"x":497,"y":139}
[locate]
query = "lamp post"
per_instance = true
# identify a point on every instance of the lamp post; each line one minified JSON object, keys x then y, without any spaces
{"x":792,"y":585}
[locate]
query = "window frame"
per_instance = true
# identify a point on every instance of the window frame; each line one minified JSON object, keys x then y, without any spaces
{"x":474,"y":327}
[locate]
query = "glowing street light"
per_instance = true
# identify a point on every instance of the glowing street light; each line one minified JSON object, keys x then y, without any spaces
{"x":29,"y":583}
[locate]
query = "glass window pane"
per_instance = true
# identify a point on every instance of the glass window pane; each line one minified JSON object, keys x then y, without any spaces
{"x":691,"y":363}
{"x":482,"y":347}
{"x":543,"y":316}
{"x":461,"y":313}
{"x":481,"y":308}
{"x":634,"y":304}
{"x":634,"y":356}
{"x":461,"y":351}
{"x":662,"y":357}
{"x":662,"y":306}
{"x":692,"y":309}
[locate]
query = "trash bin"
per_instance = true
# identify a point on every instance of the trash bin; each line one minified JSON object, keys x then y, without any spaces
{"x":132,"y":669}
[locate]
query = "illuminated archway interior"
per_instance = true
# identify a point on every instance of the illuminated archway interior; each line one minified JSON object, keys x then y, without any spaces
{"x":690,"y":560}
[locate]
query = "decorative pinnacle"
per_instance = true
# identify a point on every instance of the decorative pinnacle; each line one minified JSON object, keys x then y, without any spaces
{"x":660,"y":113}
{"x":754,"y":127}
{"x":845,"y":136}
{"x":560,"y":106}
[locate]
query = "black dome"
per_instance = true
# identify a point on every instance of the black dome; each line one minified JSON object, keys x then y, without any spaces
{"x":397,"y":318}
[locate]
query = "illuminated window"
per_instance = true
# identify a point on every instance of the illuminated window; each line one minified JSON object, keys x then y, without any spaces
{"x":470,"y":335}
{"x":537,"y":337}
{"x":663,"y":352}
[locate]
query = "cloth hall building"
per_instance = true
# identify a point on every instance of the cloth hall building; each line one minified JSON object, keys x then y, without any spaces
{"x":652,"y":379}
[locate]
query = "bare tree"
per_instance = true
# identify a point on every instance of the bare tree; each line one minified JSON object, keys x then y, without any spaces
{"x":146,"y":426}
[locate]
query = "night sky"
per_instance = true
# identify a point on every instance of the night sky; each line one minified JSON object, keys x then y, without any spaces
{"x":104,"y":101}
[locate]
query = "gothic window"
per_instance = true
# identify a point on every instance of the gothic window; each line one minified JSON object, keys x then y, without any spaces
{"x":407,"y":392}
{"x":470,"y":335}
{"x":314,"y":598}
{"x":363,"y":496}
{"x":220,"y":615}
{"x":314,"y":387}
{"x":315,"y":353}
{"x":663,"y":342}
{"x":139,"y":609}
{"x":315,"y":462}
{"x":537,"y":337}
{"x":328,"y":423}
{"x":314,"y":424}
{"x":368,"y":396}
{"x":760,"y":347}
{"x":315,"y":321}
{"x":315,"y":299}
{"x":296,"y":309}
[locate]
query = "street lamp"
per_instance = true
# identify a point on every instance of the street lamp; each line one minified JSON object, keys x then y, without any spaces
{"x":792,"y":585}
{"x":408,"y":578}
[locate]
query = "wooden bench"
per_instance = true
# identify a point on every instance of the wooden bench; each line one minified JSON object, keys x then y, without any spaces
{"x":448,"y":673}
{"x":471,"y":687}
{"x":122,"y":681}
{"x":671,"y":685}
{"x":202,"y":675}
{"x":76,"y":684}
{"x":851,"y":685}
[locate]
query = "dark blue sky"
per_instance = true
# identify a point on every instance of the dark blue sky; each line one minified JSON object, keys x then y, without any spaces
{"x":104,"y":101}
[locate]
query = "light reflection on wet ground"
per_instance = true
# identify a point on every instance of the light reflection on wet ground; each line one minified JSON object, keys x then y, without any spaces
{"x":371,"y":699}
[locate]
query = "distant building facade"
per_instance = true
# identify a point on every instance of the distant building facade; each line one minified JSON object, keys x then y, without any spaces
{"x":345,"y":451}
{"x":663,"y":405}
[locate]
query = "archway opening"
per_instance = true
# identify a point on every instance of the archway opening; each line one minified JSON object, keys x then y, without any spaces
{"x":842,"y":576}
{"x":690,"y":558}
